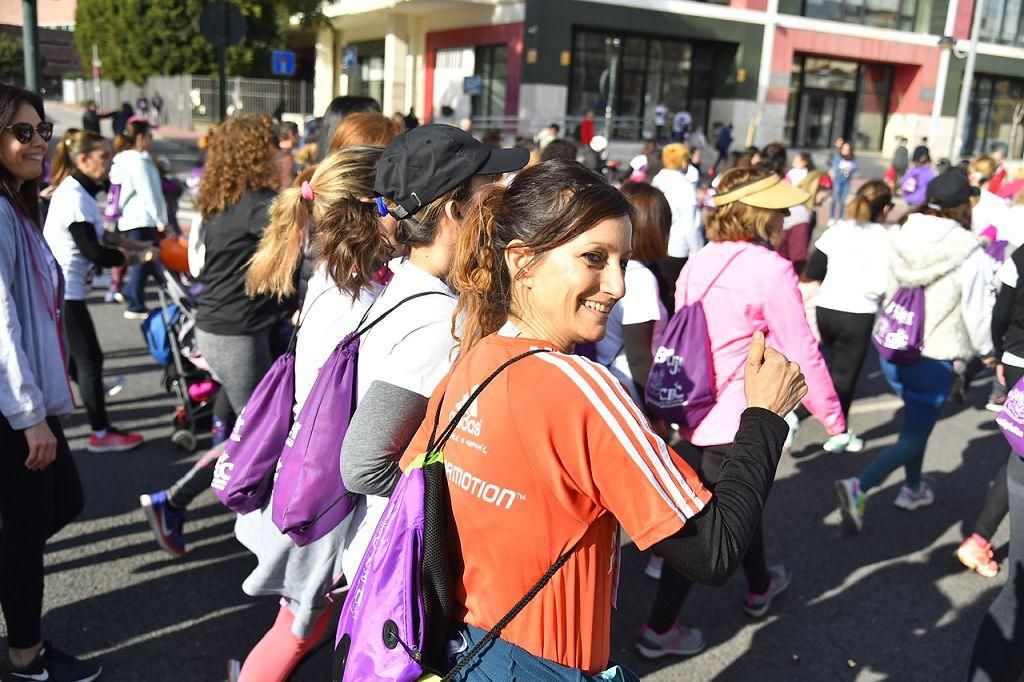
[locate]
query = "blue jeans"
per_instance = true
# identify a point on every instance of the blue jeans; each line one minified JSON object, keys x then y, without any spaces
{"x":135,"y":289}
{"x":501,"y":661}
{"x":839,"y":194}
{"x":923,"y":386}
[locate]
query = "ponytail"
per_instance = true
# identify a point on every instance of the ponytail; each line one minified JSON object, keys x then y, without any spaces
{"x":128,"y":137}
{"x":479,"y":272}
{"x":62,"y":165}
{"x":73,"y":143}
{"x":271,"y":270}
{"x":869,"y":203}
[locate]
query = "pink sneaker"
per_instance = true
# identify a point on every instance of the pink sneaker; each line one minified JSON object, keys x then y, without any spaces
{"x":114,"y":441}
{"x":976,"y":554}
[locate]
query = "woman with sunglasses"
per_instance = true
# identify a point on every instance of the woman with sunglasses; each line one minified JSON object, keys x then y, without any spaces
{"x":851,"y":260}
{"x":40,"y":491}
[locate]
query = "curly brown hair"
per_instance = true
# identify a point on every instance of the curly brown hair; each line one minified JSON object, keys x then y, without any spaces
{"x":241,"y":157}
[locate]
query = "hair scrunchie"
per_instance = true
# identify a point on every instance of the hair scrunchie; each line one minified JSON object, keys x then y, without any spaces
{"x":307,"y":190}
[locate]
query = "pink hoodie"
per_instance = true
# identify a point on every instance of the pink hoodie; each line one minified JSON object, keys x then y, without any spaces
{"x":757,"y":289}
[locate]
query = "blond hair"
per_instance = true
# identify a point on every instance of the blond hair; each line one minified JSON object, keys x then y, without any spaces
{"x":736,"y":221}
{"x":985,"y":166}
{"x":364,"y":128}
{"x":674,"y":156}
{"x":869,"y":203}
{"x":341,"y":225}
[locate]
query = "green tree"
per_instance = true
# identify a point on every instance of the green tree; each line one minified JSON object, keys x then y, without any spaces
{"x":137,"y":39}
{"x":12,"y":60}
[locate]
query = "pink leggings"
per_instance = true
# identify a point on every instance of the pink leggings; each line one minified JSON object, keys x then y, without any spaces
{"x":275,"y":656}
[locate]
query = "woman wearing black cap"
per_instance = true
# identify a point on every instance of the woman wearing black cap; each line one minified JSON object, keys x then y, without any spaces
{"x":425,"y":179}
{"x":933,"y":249}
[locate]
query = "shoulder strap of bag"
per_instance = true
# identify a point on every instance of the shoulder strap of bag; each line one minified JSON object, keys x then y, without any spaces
{"x":715,"y":278}
{"x":437,"y":442}
{"x":360,"y":329}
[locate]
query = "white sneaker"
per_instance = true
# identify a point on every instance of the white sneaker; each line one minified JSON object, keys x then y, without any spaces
{"x":234,"y":669}
{"x":757,"y":604}
{"x":136,"y":314}
{"x":677,"y":640}
{"x":912,"y":499}
{"x":653,"y":567}
{"x":843,"y":442}
{"x":113,"y":386}
{"x":794,"y":427}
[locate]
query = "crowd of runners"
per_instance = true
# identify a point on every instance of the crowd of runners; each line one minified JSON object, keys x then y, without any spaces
{"x":502,"y":351}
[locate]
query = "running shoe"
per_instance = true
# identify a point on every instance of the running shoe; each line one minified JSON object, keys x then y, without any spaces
{"x":677,"y":640}
{"x":52,"y":665}
{"x":167,"y":522}
{"x":976,"y":554}
{"x":113,"y":297}
{"x":136,"y":314}
{"x":114,"y":441}
{"x":912,"y":499}
{"x":113,"y":386}
{"x":653,"y":567}
{"x":995,"y":403}
{"x":234,"y":669}
{"x":793,"y":422}
{"x":843,"y":442}
{"x":757,"y":604}
{"x":851,"y":503}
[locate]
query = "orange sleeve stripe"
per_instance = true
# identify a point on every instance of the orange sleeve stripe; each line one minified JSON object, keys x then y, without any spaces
{"x":653,"y":446}
{"x":680,"y":500}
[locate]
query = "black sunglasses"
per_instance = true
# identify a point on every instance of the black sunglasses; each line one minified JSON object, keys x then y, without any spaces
{"x":23,"y":131}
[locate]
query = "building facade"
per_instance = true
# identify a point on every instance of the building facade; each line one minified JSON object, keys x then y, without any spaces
{"x":800,"y":71}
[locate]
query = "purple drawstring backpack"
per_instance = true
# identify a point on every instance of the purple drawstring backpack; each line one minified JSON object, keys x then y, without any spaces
{"x":1011,"y":418}
{"x":899,"y":331}
{"x":243,"y":475}
{"x":112,"y":207}
{"x":310,"y":498}
{"x":681,"y":386}
{"x":394,"y":623}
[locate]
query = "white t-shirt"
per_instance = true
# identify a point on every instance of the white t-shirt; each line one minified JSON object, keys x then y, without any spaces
{"x":328,"y":314}
{"x":858,"y":267}
{"x":795,"y":176}
{"x":412,"y":348}
{"x":1008,"y":275}
{"x":684,"y":237}
{"x":1013,"y":230}
{"x":642,"y":303}
{"x":990,"y":210}
{"x":71,"y":203}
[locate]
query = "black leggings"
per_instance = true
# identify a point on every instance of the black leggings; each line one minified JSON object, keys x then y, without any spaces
{"x":846,"y":338}
{"x":87,"y":362}
{"x":998,"y":654}
{"x":673,"y":586}
{"x":997,"y":503}
{"x":33,"y":506}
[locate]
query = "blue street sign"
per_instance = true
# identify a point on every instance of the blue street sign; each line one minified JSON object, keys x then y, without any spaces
{"x":349,"y":54}
{"x":473,"y":85}
{"x":283,"y":63}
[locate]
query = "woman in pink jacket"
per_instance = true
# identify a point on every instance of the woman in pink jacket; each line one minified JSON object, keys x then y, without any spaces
{"x":745,"y":286}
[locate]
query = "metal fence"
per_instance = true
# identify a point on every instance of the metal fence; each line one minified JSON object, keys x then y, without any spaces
{"x":189,"y":100}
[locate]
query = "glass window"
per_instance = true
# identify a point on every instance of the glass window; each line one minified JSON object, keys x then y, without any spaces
{"x":637,"y":73}
{"x":491,"y":64}
{"x":1001,"y":22}
{"x":994,"y":115}
{"x":897,"y":14}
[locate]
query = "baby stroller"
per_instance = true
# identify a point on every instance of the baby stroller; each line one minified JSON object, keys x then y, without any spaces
{"x":170,"y":335}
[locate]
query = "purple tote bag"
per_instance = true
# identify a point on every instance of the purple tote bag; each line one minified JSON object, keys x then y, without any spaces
{"x":899,"y":332}
{"x":1011,"y":418}
{"x":681,"y":386}
{"x":244,"y":472}
{"x":310,"y":498}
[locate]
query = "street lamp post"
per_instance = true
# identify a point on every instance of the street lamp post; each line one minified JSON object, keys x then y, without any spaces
{"x":30,"y":44}
{"x":956,"y":149}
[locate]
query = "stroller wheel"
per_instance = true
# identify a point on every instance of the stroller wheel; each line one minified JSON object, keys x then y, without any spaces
{"x":184,"y":439}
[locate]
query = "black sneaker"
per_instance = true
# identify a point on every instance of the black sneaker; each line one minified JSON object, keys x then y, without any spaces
{"x":51,"y":665}
{"x":64,"y":667}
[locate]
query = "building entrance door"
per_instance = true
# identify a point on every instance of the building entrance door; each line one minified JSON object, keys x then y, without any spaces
{"x":824,"y":115}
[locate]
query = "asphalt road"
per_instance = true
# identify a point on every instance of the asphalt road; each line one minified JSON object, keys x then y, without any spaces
{"x":892,"y":603}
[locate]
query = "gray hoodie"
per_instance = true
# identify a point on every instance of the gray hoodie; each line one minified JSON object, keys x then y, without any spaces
{"x":948,"y":261}
{"x":33,"y":360}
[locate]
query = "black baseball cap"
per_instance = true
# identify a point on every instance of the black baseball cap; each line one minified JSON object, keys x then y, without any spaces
{"x":948,"y":189}
{"x":426,"y":162}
